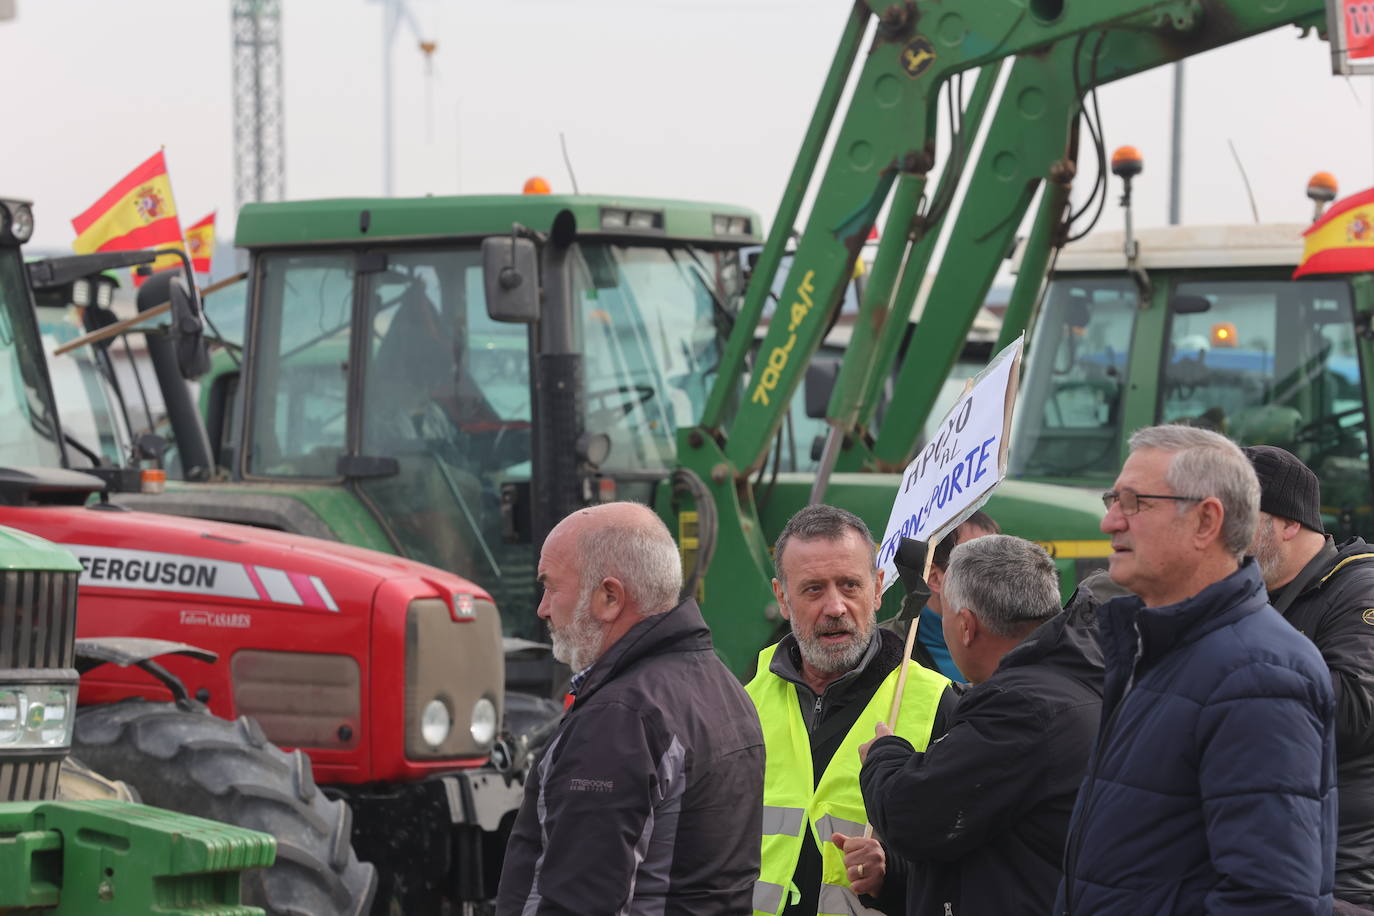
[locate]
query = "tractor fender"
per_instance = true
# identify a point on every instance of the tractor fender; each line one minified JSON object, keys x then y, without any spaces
{"x":92,"y":652}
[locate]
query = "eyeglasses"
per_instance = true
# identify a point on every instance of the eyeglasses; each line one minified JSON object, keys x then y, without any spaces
{"x":1130,"y":500}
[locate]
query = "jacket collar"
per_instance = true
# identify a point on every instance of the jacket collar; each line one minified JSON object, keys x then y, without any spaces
{"x":1068,"y":640}
{"x":682,"y":629}
{"x":1333,"y":557}
{"x":786,"y":662}
{"x":1127,"y":625}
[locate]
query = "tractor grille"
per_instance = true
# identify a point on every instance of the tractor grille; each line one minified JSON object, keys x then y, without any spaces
{"x":37,"y":643}
{"x":37,"y":619}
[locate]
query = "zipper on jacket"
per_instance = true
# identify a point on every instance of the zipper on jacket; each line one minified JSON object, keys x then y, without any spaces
{"x":816,"y":712}
{"x":1071,"y":852}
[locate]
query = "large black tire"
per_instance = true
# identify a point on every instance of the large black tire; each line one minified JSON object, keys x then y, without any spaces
{"x":195,"y":763}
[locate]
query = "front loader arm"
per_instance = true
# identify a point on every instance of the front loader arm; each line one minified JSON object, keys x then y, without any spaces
{"x":1030,"y":142}
{"x":887,"y":133}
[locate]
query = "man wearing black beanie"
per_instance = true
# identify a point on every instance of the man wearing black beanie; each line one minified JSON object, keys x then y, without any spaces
{"x":1327,"y":592}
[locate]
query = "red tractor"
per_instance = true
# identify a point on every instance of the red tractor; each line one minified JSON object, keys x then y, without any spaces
{"x":206,"y":648}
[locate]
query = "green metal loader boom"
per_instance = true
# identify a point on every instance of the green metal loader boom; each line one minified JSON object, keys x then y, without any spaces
{"x":883,"y":151}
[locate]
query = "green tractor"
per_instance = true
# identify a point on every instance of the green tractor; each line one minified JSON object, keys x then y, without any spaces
{"x":445,"y":378}
{"x":1209,"y":327}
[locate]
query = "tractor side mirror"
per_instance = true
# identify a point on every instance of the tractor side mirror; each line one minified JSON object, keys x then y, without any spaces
{"x":188,"y":331}
{"x":1184,"y":304}
{"x":821,"y":376}
{"x":510,"y":273}
{"x":187,"y":326}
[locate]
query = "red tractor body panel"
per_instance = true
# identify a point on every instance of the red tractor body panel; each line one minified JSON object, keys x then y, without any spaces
{"x":230,"y":588}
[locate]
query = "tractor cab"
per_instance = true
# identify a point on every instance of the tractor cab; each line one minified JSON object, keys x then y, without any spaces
{"x":1224,"y":337}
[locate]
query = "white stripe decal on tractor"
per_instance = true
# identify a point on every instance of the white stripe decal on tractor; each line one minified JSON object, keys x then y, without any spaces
{"x":324,"y":593}
{"x":278,"y":585}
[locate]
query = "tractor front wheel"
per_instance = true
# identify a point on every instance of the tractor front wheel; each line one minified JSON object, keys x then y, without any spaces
{"x":192,"y":762}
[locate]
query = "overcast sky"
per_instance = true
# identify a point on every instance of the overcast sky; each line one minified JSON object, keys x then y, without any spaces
{"x":700,"y":99}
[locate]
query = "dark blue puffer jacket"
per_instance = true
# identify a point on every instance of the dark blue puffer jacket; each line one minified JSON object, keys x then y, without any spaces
{"x":1212,"y":785}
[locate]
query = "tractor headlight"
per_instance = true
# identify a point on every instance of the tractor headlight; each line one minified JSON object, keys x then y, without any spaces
{"x":16,"y":222}
{"x":22,"y":223}
{"x":36,"y":715}
{"x":435,"y":723}
{"x":483,"y":725}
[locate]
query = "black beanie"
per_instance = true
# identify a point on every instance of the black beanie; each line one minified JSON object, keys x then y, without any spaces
{"x":1288,"y":488}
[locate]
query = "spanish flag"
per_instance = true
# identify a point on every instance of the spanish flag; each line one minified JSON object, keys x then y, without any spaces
{"x":200,"y":240}
{"x":1342,"y":241}
{"x":138,"y":212}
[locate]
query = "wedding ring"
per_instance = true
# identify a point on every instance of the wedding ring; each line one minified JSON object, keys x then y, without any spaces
{"x":861,"y":869}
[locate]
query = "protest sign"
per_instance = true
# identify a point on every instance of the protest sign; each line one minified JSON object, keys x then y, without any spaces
{"x":956,"y":471}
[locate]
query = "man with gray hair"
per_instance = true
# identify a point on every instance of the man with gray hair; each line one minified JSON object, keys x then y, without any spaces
{"x":648,"y":798}
{"x":819,"y":692}
{"x":1212,"y":784}
{"x":981,"y":816}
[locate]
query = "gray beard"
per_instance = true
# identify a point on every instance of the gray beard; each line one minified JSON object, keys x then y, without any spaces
{"x":833,"y":659}
{"x":578,"y":644}
{"x":1265,"y":548}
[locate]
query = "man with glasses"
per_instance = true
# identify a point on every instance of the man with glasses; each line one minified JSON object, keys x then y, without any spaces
{"x":1211,"y":788}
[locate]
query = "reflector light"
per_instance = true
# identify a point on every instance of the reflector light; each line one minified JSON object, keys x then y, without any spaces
{"x":154,"y":481}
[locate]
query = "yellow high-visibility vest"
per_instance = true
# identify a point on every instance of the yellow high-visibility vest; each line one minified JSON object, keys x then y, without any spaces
{"x":791,"y":800}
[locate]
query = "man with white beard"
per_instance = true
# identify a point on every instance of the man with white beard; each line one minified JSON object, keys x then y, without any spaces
{"x":1326,"y":590}
{"x":648,"y":797}
{"x":819,"y":693}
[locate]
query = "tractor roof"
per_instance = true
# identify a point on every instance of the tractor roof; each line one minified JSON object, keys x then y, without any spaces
{"x":389,"y":219}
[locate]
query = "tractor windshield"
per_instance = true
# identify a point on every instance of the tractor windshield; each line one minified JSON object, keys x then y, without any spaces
{"x":1265,"y":360}
{"x":1274,"y":362}
{"x":93,"y":415}
{"x":1068,"y":422}
{"x":653,"y":322}
{"x":28,"y":432}
{"x":444,"y":391}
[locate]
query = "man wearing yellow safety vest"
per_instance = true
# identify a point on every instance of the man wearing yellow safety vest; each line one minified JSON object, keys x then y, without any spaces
{"x":819,"y":693}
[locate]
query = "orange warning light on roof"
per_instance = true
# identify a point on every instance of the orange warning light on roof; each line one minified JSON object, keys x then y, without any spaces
{"x":537,"y":185}
{"x":1126,"y":162}
{"x":1322,"y":186}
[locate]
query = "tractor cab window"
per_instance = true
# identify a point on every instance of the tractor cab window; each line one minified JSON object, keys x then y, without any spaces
{"x":653,"y":325}
{"x":1068,"y":422}
{"x":93,"y":415}
{"x":28,"y":433}
{"x":299,"y":418}
{"x":446,"y":393}
{"x":1274,"y":363}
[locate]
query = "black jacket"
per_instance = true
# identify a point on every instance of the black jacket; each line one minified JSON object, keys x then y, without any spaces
{"x":649,"y":797}
{"x":829,"y":718}
{"x":981,"y":816}
{"x":1334,"y":607}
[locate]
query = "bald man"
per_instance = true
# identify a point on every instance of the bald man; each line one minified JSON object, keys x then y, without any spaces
{"x":649,"y":797}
